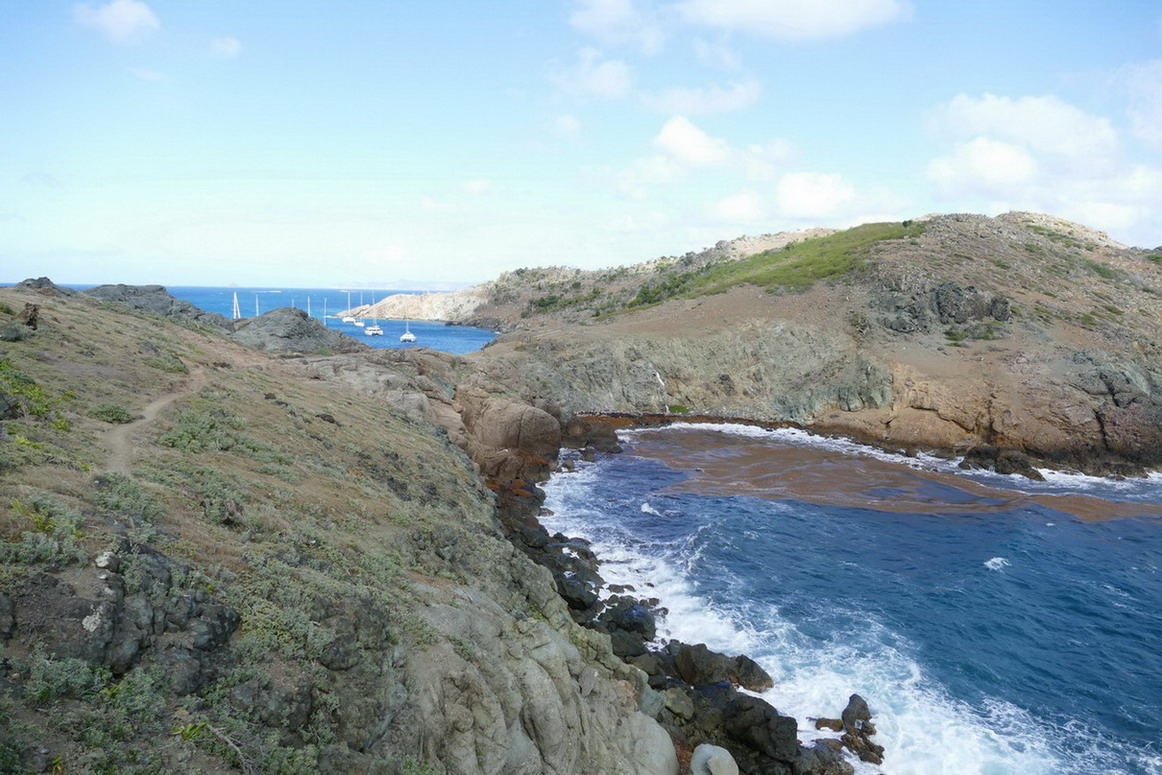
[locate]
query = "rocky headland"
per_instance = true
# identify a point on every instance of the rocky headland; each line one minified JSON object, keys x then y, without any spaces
{"x":1021,"y":340}
{"x":244,"y":547}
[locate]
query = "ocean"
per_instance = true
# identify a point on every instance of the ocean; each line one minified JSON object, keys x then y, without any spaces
{"x":996,"y":626}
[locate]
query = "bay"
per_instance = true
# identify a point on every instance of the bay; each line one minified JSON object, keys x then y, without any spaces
{"x":995,"y":625}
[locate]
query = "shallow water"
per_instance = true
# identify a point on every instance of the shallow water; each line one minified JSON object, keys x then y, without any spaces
{"x":995,"y":625}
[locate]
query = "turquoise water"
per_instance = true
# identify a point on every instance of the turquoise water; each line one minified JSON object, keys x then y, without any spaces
{"x":996,"y":626}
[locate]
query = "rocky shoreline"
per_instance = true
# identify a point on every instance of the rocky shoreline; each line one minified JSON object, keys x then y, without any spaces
{"x":704,"y":699}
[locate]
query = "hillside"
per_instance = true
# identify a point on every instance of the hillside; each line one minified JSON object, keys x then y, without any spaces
{"x":953,"y":332}
{"x":268,"y":554}
{"x":215,"y":560}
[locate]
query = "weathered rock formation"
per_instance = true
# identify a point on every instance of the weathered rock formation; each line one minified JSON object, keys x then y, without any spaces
{"x":155,"y":298}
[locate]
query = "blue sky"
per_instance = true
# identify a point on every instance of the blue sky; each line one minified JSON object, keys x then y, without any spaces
{"x":397,"y":143}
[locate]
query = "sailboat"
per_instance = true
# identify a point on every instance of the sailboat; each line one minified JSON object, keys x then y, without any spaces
{"x":407,"y":336}
{"x":373,"y":329}
{"x":237,"y":310}
{"x":348,"y":318}
{"x":358,"y":322}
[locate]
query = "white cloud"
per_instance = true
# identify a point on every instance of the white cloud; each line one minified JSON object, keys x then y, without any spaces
{"x":225,"y":48}
{"x":746,"y":207}
{"x":122,"y":21}
{"x":645,"y":173}
{"x":476,"y":187}
{"x":983,"y":167}
{"x":596,"y":77}
{"x":149,"y":75}
{"x":1144,"y":82}
{"x":620,"y":22}
{"x":1044,"y":124}
{"x":794,"y":19}
{"x":716,"y":55}
{"x":714,"y":99}
{"x":814,"y":196}
{"x":689,"y":144}
{"x":762,"y":161}
{"x":568,"y":127}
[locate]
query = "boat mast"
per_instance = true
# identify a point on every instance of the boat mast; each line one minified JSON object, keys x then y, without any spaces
{"x":237,"y":312}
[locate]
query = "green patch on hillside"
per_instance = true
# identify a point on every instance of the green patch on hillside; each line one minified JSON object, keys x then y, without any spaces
{"x":801,"y":264}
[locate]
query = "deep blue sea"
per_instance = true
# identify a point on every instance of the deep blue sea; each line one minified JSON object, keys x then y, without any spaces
{"x":996,"y":626}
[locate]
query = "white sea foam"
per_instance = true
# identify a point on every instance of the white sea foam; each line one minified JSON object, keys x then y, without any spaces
{"x":648,"y":509}
{"x":996,"y":563}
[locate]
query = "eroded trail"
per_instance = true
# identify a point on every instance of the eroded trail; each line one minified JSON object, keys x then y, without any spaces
{"x":120,"y":440}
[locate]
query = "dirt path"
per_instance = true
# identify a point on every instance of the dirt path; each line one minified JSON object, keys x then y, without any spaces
{"x":120,"y":439}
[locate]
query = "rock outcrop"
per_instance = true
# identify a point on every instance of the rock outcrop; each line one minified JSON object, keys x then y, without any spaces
{"x":156,"y":299}
{"x":287,"y":329}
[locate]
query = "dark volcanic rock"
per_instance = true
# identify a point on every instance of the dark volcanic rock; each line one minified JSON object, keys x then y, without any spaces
{"x":153,"y":619}
{"x":155,"y":298}
{"x":753,"y":721}
{"x":291,"y":330}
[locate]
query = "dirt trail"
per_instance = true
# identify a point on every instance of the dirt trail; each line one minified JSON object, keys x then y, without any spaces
{"x":120,"y":439}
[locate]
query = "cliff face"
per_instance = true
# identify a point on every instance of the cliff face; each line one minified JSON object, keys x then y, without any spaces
{"x":1021,"y":332}
{"x":214,"y":560}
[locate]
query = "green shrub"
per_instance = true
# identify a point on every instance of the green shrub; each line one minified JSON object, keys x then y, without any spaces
{"x":32,"y":397}
{"x":201,"y":428}
{"x":121,"y":496}
{"x":53,"y":538}
{"x":111,"y":413}
{"x":169,"y":363}
{"x":1101,"y":270}
{"x":51,"y":678}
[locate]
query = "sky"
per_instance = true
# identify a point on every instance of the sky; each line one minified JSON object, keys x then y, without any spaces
{"x":417,"y":143}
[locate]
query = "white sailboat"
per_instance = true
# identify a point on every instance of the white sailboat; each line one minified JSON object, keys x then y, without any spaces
{"x":359,"y":321}
{"x":407,"y":336}
{"x":237,"y":310}
{"x":373,"y":329}
{"x":348,"y":318}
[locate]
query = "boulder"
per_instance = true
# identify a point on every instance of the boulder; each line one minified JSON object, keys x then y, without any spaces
{"x":755,"y":723}
{"x":712,"y":760}
{"x":697,"y":664}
